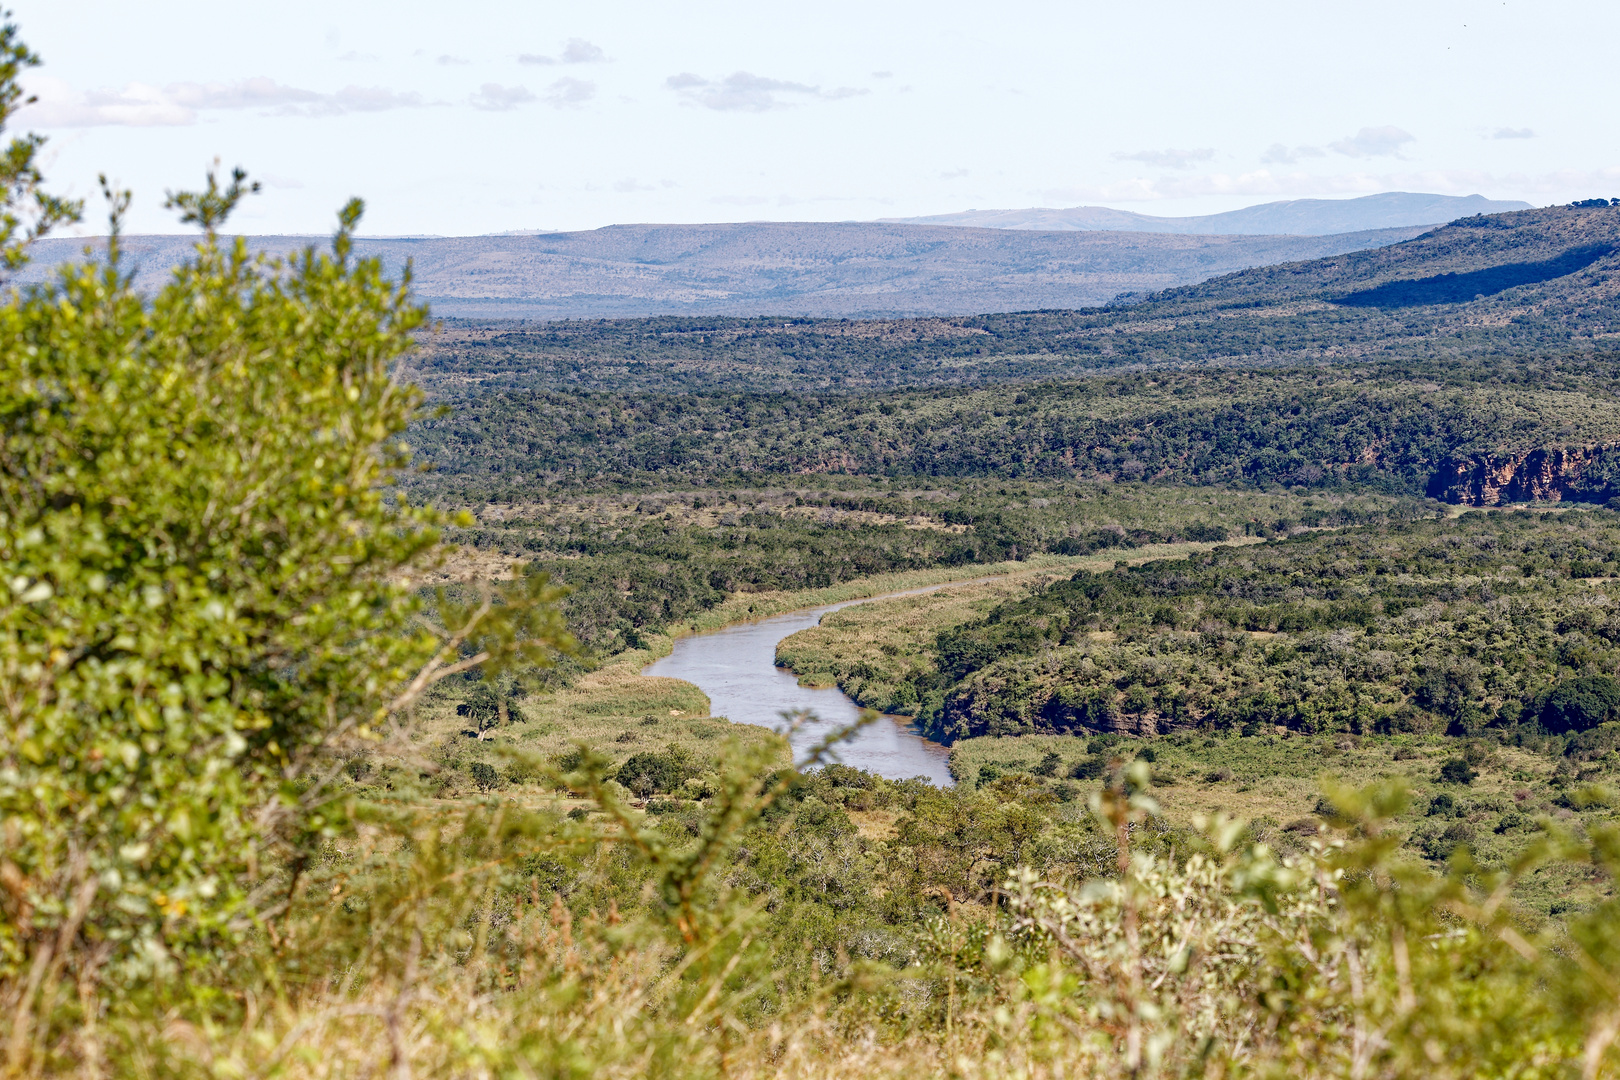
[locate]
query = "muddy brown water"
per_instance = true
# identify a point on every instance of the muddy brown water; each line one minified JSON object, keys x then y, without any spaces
{"x":736,"y":667}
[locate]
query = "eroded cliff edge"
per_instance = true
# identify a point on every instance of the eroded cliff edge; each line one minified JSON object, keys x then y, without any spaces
{"x":1546,"y":474}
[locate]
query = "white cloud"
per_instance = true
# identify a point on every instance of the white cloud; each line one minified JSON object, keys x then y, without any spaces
{"x":1383,"y":141}
{"x":447,"y":60}
{"x":246,"y":94}
{"x":1168,"y":159}
{"x":1278,"y":154}
{"x":359,"y":99}
{"x":493,"y":97}
{"x":574,"y":51}
{"x":567,"y":92}
{"x":580,"y":51}
{"x":1513,"y":133}
{"x":630,"y":183}
{"x":743,"y":91}
{"x":179,"y":104}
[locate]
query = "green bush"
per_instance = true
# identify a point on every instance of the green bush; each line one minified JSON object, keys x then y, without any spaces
{"x":209,"y":600}
{"x":1457,"y":771}
{"x":484,"y":775}
{"x":1580,"y":704}
{"x":656,"y":773}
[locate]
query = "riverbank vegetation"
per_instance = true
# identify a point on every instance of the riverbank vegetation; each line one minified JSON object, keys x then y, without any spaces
{"x":1461,"y":625}
{"x":642,"y":562}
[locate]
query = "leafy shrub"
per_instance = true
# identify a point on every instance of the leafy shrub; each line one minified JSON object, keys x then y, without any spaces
{"x":484,"y":775}
{"x":1581,"y":703}
{"x":209,"y":651}
{"x":1511,"y":821}
{"x":1457,"y":771}
{"x":208,"y":605}
{"x":1088,"y":768}
{"x":656,"y":773}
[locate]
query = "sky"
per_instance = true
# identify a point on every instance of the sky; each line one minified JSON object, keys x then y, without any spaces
{"x":488,"y":116}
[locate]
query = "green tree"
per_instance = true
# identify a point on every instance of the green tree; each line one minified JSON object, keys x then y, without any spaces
{"x":27,"y":210}
{"x":1580,"y":704}
{"x":210,"y":595}
{"x":1457,"y":771}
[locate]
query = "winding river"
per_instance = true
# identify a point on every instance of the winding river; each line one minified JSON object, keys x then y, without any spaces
{"x":736,"y":667}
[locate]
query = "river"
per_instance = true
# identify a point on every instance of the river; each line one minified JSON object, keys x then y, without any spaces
{"x":736,"y":667}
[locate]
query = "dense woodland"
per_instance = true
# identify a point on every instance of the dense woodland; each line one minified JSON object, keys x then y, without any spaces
{"x":1483,"y":623}
{"x":1387,"y":427}
{"x":640,"y":563}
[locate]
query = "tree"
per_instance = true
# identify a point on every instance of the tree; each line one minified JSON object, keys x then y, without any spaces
{"x":1580,"y":704}
{"x":490,"y":706}
{"x":27,"y":211}
{"x":210,"y":593}
{"x":1457,"y":771}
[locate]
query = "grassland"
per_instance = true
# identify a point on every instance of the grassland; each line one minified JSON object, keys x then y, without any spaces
{"x":1276,"y":783}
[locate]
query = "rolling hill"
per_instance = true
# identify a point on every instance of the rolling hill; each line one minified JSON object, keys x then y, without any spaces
{"x":841,"y":270}
{"x":1299,"y":217}
{"x":1474,"y":364}
{"x":1533,"y":282}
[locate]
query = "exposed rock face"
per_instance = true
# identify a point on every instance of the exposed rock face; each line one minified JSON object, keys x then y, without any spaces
{"x":1550,"y":474}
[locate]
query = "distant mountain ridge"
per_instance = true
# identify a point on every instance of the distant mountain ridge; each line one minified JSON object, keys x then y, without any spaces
{"x":1506,"y":289}
{"x":1293,"y":217}
{"x":823,"y":269}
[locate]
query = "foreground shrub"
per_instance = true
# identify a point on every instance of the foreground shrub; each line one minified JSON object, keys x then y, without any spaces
{"x":208,"y":602}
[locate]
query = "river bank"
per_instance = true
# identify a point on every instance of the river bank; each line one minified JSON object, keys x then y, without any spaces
{"x":620,"y":711}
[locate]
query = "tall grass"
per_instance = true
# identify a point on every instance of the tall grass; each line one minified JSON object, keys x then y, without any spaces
{"x":434,"y":941}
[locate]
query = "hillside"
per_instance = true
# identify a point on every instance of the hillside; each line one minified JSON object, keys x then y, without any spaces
{"x":1533,"y":282}
{"x":1434,"y":392}
{"x":845,"y":269}
{"x":1472,"y":436}
{"x":1299,"y":217}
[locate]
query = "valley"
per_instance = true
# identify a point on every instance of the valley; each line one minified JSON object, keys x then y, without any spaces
{"x":1160,"y":624}
{"x":1260,"y":593}
{"x":1213,"y":560}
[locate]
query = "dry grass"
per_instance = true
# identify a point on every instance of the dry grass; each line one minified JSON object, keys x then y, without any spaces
{"x":1279,"y":776}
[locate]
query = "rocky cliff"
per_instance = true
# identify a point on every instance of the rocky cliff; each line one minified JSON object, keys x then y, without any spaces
{"x":1548,"y":474}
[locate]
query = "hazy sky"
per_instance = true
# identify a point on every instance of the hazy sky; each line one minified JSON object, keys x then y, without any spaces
{"x":485,"y":116}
